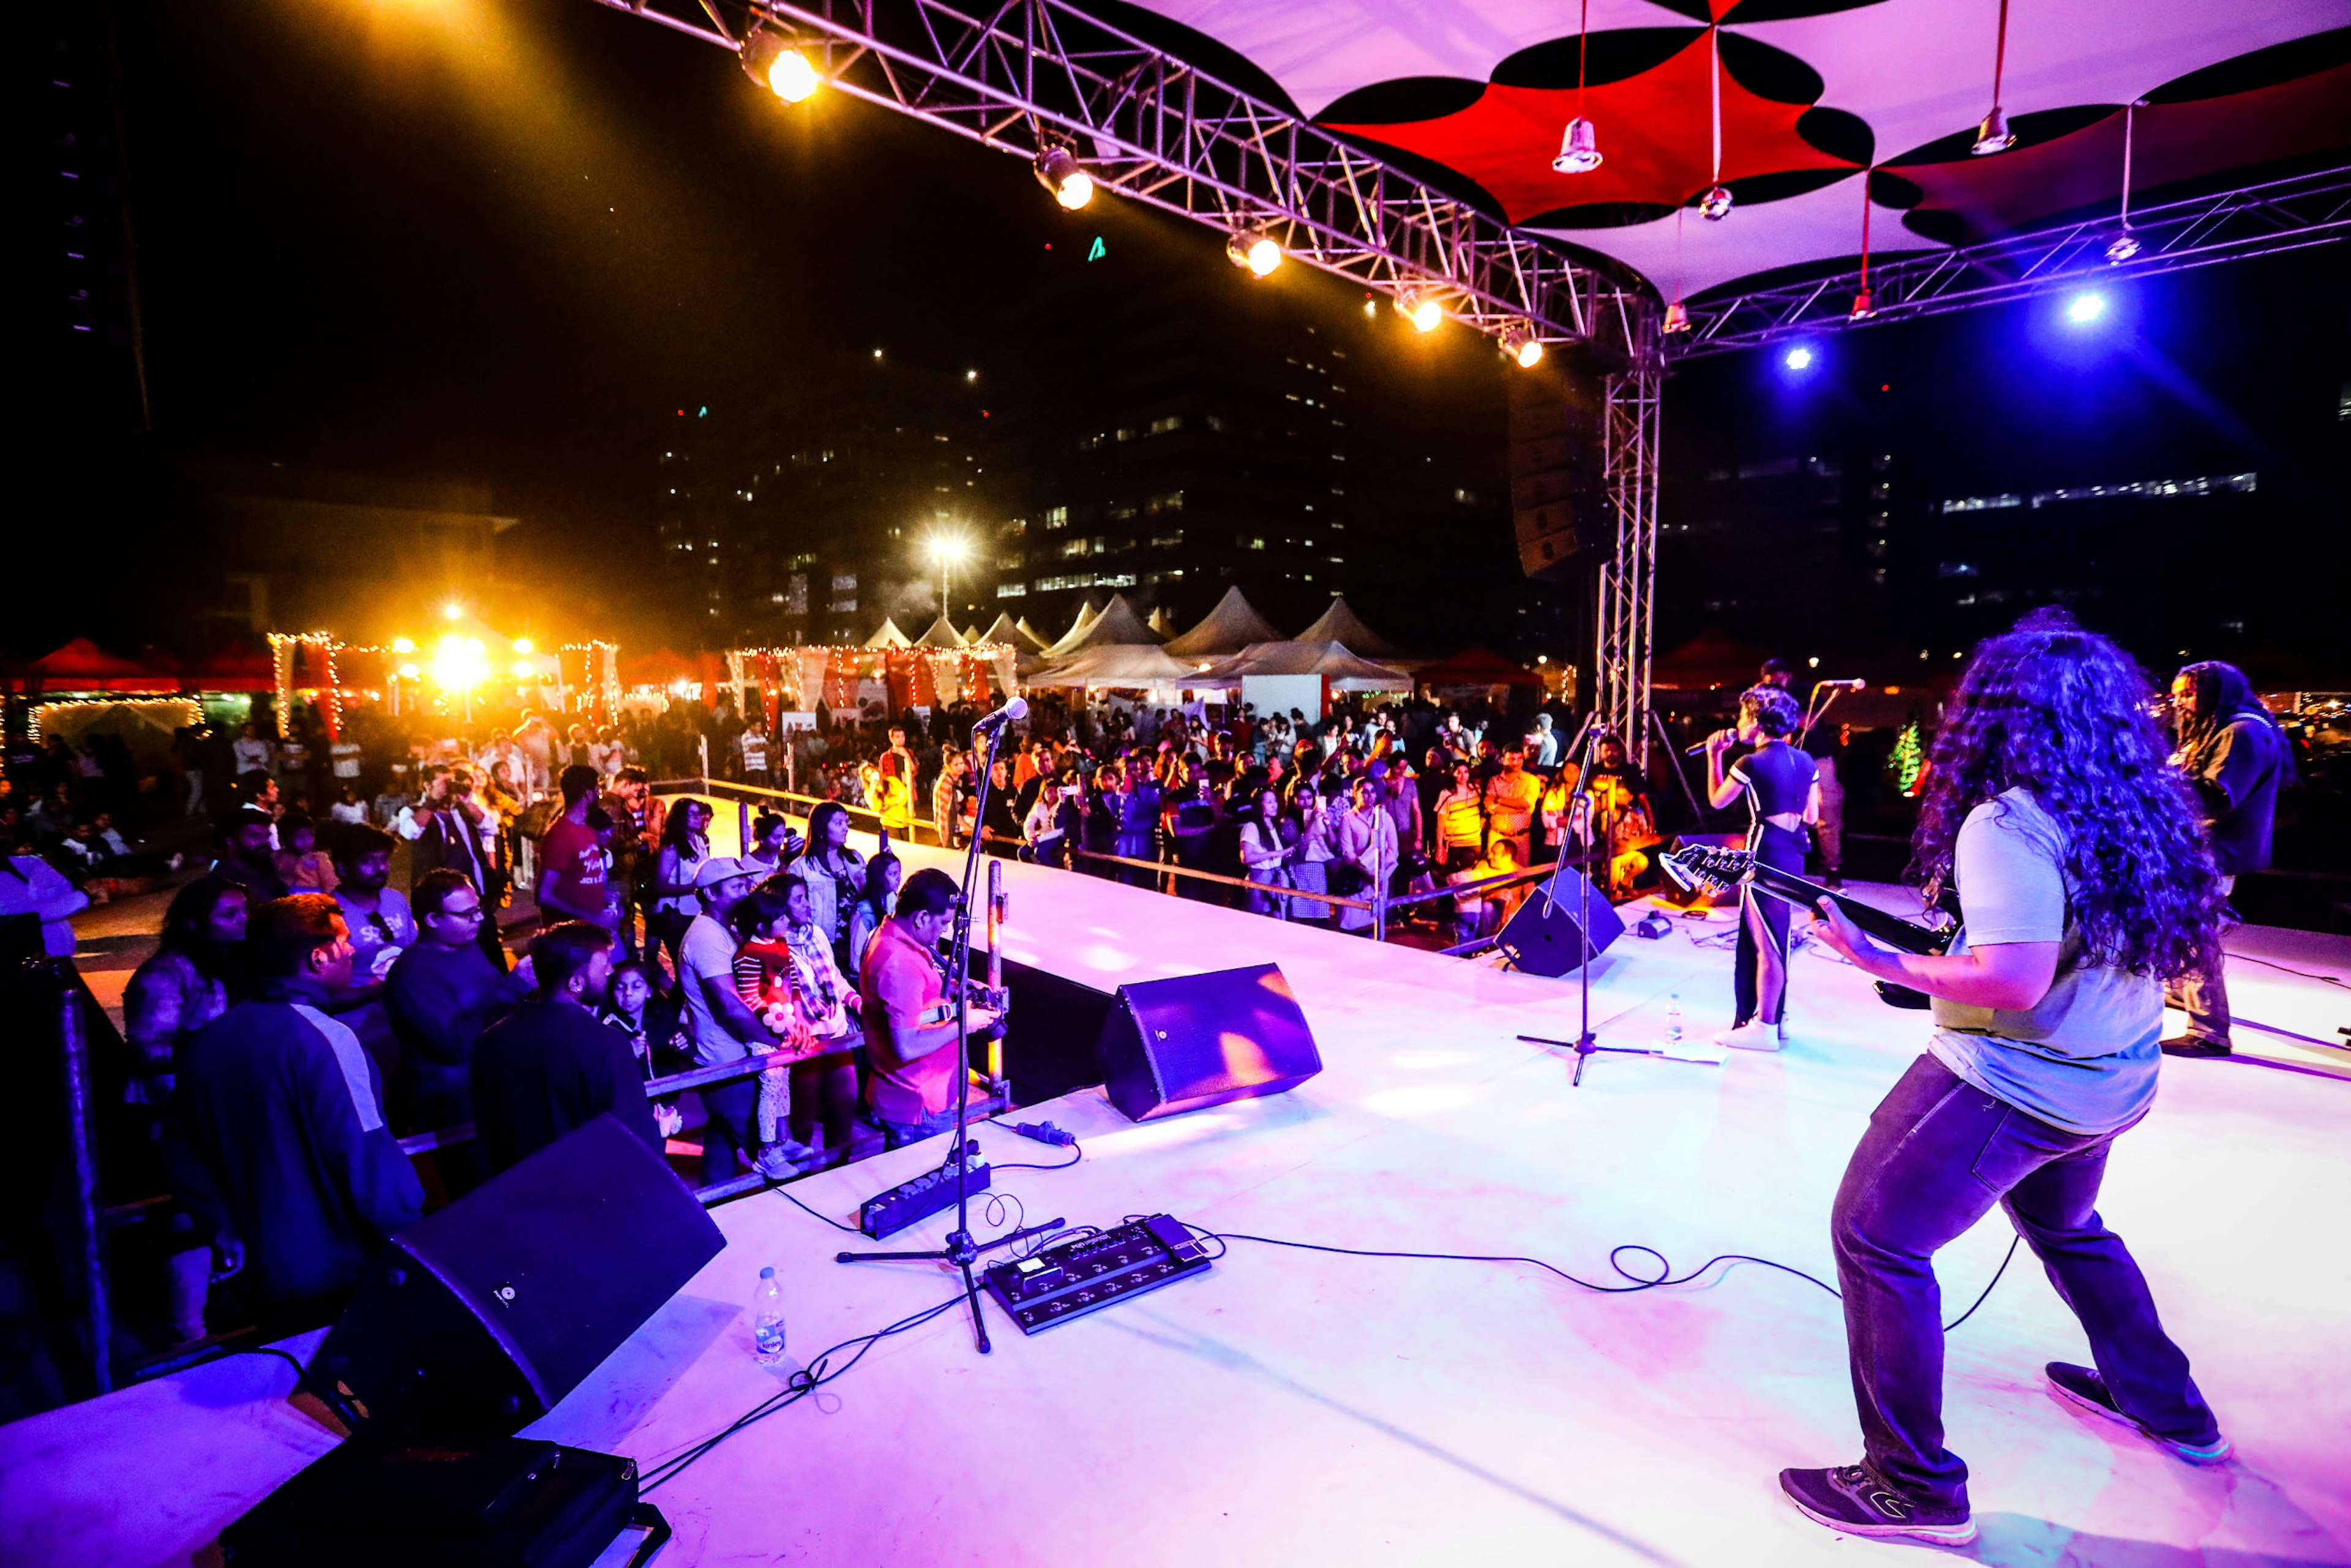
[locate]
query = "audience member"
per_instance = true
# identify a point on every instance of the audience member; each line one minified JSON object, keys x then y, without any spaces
{"x":246,"y":856}
{"x":441,"y":994}
{"x":571,"y":884}
{"x":549,"y":1067}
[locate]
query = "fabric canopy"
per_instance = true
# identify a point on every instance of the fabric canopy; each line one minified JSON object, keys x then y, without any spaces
{"x":1813,"y":95}
{"x":1478,"y":667}
{"x":1116,"y":665}
{"x":81,"y":665}
{"x":1005,"y":634}
{"x":889,"y":637}
{"x":1028,"y":633}
{"x":942,"y":635}
{"x":1339,"y":624}
{"x":1117,"y":624}
{"x":1231,"y":626}
{"x":1712,"y":658}
{"x":1332,"y":661}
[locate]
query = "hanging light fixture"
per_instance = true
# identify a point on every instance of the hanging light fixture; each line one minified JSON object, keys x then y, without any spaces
{"x":1520,"y":343}
{"x":778,"y":63}
{"x":1677,"y":318}
{"x":1993,"y":135}
{"x":1058,"y":171}
{"x":1579,"y":148}
{"x":1676,"y":314}
{"x":1254,"y":251}
{"x":1716,"y":203}
{"x":2125,"y":246}
{"x":1864,"y":306}
{"x":1420,"y":307}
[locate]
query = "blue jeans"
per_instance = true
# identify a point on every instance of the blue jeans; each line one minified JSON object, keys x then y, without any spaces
{"x":898,"y":1135}
{"x":1939,"y":1153}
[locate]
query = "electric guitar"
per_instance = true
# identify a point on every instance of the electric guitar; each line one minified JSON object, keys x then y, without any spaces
{"x":1698,"y":867}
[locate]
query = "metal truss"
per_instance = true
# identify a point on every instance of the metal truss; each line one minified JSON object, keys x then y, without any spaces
{"x":2229,"y":225}
{"x":1626,"y":626}
{"x":1024,"y":75}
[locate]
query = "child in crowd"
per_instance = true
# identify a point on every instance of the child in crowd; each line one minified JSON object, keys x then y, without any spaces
{"x":301,"y":864}
{"x":630,"y":1007}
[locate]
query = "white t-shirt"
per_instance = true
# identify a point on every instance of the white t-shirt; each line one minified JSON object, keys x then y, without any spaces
{"x":708,"y":953}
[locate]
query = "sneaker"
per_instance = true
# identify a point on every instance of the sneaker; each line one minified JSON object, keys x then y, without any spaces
{"x":1852,"y":1501}
{"x":2085,"y":1389}
{"x":2194,"y":1045}
{"x":1753,"y":1035}
{"x":782,"y":1161}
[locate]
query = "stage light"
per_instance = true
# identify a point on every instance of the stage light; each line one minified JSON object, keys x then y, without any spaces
{"x":1371,"y":308}
{"x":1798,"y":358}
{"x":1863,"y":308}
{"x":1715,"y":203}
{"x":523,"y":669}
{"x":1993,"y":135}
{"x":522,"y":644}
{"x":1579,"y":149}
{"x":2085,"y":309}
{"x":2124,"y":247}
{"x":452,"y":611}
{"x":458,"y":665}
{"x":1419,"y":307}
{"x":407,"y":671}
{"x":1677,"y":318}
{"x":773,"y":61}
{"x":1520,"y":343}
{"x":1058,"y":171}
{"x":402,"y":645}
{"x":1259,"y":253}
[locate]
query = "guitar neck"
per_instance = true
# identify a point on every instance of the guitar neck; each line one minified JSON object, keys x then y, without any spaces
{"x":1890,"y":929}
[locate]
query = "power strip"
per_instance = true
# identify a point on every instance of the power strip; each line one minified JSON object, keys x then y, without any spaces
{"x":887,"y":1213}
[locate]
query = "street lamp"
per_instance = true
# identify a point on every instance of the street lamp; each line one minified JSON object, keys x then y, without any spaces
{"x":950,"y":551}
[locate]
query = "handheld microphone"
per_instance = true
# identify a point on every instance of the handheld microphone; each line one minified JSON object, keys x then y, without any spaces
{"x":1700,"y":750}
{"x":1841,"y":685}
{"x":1017,"y":709}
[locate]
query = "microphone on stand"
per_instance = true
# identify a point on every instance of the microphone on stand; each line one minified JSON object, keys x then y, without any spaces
{"x":1841,"y":685}
{"x":1015,"y":709}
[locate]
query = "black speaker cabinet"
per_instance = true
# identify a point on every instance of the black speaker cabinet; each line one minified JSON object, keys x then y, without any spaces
{"x":1050,"y":1033}
{"x":1172,"y":1046}
{"x":1553,"y":941}
{"x":478,"y":1319}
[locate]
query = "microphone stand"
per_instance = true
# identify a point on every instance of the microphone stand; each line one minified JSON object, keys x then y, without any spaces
{"x":1585,"y":1044}
{"x":960,"y":1251}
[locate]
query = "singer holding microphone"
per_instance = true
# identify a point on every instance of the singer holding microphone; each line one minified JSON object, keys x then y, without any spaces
{"x":1782,"y":788}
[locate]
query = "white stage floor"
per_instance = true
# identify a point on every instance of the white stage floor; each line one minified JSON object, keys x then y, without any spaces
{"x":1293,"y":1409}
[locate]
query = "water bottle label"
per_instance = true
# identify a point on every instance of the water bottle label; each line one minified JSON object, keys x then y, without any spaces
{"x":769,"y":1339}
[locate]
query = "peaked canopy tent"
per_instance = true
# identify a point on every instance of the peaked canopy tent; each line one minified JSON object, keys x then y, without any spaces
{"x":1117,"y":624}
{"x":1338,"y":623}
{"x":1117,"y":664}
{"x":942,"y":635}
{"x":1225,"y":630}
{"x":1340,"y":669}
{"x":1029,"y":634}
{"x":1026,"y":653}
{"x":81,"y":665}
{"x":888,"y":636}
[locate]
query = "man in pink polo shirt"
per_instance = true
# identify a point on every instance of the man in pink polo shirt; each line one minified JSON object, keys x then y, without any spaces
{"x":910,"y":1028}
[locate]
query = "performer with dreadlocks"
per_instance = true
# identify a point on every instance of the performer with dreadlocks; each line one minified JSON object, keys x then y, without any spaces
{"x":2086,"y":885}
{"x":2235,"y":755}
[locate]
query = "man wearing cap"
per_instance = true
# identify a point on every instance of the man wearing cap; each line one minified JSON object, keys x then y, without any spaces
{"x":725,"y":1029}
{"x":910,"y":1028}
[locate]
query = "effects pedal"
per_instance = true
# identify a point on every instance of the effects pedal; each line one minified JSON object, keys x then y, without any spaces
{"x":1088,"y":1273}
{"x":887,"y":1213}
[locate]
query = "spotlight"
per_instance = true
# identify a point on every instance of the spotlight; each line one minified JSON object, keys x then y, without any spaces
{"x":1058,"y":171}
{"x":1520,"y":343}
{"x":1993,"y":135}
{"x":1371,"y":308}
{"x":2085,"y":309}
{"x":1715,"y":203}
{"x":522,"y":669}
{"x":1863,"y":308}
{"x":2124,"y":247}
{"x":522,"y":644}
{"x":1798,"y":358}
{"x":1419,"y":307}
{"x":776,"y":63}
{"x":1579,"y":150}
{"x":1259,"y":252}
{"x":1677,"y":318}
{"x":402,"y":645}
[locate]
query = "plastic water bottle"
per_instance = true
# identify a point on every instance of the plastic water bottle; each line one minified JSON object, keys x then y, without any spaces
{"x":1674,"y":1018}
{"x":768,"y":1320}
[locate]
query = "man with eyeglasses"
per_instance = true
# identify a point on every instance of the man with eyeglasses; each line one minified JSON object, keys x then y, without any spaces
{"x":452,"y":842}
{"x":442,"y":994}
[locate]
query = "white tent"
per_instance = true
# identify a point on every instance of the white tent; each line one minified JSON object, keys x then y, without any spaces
{"x":1029,"y":634}
{"x":942,"y":635}
{"x":1005,"y":634}
{"x":1118,"y":622}
{"x":889,"y":637}
{"x":1087,"y":615}
{"x":1329,"y":661}
{"x":1228,"y":629}
{"x":1338,"y":623}
{"x":1115,"y":664}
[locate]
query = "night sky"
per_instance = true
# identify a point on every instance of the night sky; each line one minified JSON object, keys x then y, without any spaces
{"x":485,"y":239}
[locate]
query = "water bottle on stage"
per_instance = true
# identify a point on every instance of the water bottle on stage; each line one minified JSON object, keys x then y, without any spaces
{"x":768,"y":1320}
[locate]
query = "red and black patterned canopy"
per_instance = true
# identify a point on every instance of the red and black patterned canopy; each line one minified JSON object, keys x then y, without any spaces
{"x":1473,"y":95}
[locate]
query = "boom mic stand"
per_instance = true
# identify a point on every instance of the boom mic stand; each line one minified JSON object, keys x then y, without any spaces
{"x":960,"y":1251}
{"x":1579,"y":809}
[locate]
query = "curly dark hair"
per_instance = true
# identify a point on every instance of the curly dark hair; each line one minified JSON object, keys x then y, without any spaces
{"x":2066,"y":715}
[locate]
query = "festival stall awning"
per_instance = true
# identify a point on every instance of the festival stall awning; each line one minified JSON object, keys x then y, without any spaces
{"x":81,"y":665}
{"x":1118,"y":624}
{"x":1116,"y":665}
{"x":1712,"y":658}
{"x":1029,"y":634}
{"x":1332,"y":661}
{"x":1225,"y":630}
{"x":1027,"y":656}
{"x":942,"y":635}
{"x":889,"y":637}
{"x":1071,"y":641}
{"x":1338,"y":623}
{"x":1477,"y":667}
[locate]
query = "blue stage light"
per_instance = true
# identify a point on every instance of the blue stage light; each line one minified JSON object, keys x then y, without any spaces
{"x":2085,"y":309}
{"x":1798,"y":358}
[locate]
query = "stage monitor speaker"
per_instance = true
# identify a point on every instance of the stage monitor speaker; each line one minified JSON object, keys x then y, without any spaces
{"x":1050,"y":1033}
{"x":478,"y":1319}
{"x":1553,"y":941}
{"x":1185,"y":1044}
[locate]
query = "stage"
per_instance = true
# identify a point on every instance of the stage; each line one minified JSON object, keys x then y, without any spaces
{"x":1295,"y":1409}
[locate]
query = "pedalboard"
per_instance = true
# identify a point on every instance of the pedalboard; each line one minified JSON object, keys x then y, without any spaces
{"x":887,"y":1213}
{"x":1087,"y":1274}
